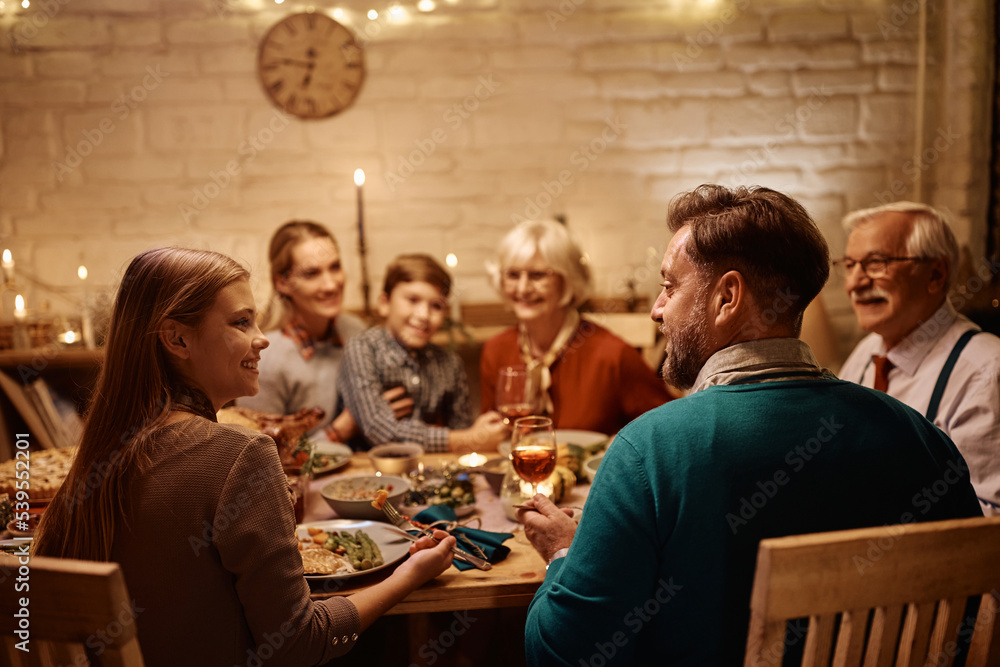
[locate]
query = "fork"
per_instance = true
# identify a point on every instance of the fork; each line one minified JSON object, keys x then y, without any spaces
{"x":403,"y":524}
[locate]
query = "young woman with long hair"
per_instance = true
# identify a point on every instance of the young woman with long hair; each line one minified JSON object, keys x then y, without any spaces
{"x":198,"y":513}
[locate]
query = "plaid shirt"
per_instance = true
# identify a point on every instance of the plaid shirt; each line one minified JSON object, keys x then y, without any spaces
{"x":433,"y":377}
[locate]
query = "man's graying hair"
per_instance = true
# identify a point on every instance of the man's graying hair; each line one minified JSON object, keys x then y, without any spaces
{"x":931,"y":235}
{"x":765,"y":235}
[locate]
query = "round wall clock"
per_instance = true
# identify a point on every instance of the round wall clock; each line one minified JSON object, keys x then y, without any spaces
{"x":310,"y":65}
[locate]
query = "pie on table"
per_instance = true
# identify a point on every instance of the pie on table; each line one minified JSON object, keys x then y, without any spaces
{"x":47,"y":470}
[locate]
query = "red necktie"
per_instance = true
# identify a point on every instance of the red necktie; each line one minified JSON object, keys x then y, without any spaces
{"x":882,"y":368}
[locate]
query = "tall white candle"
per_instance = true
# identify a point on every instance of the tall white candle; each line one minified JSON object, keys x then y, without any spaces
{"x":8,"y":266}
{"x":456,"y":308}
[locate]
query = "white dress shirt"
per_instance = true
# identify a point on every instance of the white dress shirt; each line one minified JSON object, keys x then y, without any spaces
{"x":970,"y":406}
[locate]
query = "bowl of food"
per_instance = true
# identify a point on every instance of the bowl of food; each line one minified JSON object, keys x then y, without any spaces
{"x":351,"y":497}
{"x":590,"y":466}
{"x":396,"y":458}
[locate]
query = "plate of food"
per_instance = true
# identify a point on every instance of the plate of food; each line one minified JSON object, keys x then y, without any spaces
{"x":329,"y":456}
{"x":342,"y":548}
{"x":445,"y":488}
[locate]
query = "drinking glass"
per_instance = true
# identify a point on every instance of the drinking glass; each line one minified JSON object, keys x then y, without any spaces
{"x":514,"y":394}
{"x":533,"y":450}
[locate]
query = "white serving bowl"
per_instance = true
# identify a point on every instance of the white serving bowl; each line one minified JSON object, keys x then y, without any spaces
{"x":590,"y":466}
{"x":397,"y":458}
{"x":351,"y":497}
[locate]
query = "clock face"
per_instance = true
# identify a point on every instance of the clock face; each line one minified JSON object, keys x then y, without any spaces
{"x":310,"y":65}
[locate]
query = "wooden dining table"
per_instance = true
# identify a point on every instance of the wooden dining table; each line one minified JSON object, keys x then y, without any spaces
{"x":511,"y":582}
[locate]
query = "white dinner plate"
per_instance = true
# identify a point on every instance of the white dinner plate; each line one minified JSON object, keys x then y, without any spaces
{"x":340,"y":454}
{"x":393,"y":547}
{"x":586,"y":440}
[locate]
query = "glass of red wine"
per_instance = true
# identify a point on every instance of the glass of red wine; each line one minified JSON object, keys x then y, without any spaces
{"x":514,"y":394}
{"x":533,"y":450}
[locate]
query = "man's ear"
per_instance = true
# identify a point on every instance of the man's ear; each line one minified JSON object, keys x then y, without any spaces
{"x":938,"y":278}
{"x":382,"y":305}
{"x":728,"y":299}
{"x":172,"y":337}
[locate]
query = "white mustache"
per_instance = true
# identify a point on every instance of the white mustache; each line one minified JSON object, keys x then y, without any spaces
{"x":873,"y":292}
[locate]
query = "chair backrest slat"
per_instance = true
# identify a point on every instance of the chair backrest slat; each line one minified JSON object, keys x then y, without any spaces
{"x":851,"y":638}
{"x":75,"y":606}
{"x":837,"y":579}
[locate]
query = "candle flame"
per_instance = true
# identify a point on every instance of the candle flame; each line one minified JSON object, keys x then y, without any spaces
{"x":451,"y":260}
{"x":359,"y":177}
{"x":82,"y":272}
{"x":19,"y":303}
{"x":7,"y":257}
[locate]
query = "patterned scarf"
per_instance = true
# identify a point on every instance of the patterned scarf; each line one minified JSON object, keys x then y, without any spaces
{"x":188,"y":399}
{"x":307,"y":346}
{"x":539,"y":374}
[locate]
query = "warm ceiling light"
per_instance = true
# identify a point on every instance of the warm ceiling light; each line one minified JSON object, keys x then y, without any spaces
{"x":426,"y":5}
{"x":372,"y":14}
{"x":451,"y":260}
{"x":25,"y":3}
{"x":338,"y":13}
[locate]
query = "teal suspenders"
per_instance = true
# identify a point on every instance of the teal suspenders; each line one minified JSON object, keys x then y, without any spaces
{"x":949,"y":366}
{"x":942,"y":381}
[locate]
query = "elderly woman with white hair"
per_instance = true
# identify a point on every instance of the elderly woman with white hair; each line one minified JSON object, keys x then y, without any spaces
{"x":589,"y":378}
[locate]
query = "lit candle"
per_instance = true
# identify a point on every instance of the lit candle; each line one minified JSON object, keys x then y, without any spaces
{"x":473,"y":460}
{"x":456,"y":308}
{"x":359,"y":181}
{"x":8,"y":266}
{"x":22,"y":339}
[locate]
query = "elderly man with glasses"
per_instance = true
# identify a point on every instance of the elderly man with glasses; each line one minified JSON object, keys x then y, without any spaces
{"x":900,"y":263}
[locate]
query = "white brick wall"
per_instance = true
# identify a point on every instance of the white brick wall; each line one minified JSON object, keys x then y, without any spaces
{"x":471,"y":115}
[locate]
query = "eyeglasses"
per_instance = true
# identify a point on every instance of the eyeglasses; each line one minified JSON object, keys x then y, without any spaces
{"x":512,"y":276}
{"x":873,"y":266}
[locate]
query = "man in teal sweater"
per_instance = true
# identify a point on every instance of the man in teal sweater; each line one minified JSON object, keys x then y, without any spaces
{"x":660,"y":568}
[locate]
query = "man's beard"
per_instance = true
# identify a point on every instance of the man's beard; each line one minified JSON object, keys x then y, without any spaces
{"x":685,"y":348}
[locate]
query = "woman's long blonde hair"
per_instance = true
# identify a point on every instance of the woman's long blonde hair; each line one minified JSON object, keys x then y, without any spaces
{"x":132,"y":397}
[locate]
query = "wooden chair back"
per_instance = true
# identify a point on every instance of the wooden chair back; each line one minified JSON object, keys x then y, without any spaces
{"x":892,"y":595}
{"x":77,"y":613}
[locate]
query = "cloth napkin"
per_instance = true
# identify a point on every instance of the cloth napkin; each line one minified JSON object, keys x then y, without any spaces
{"x":490,"y":543}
